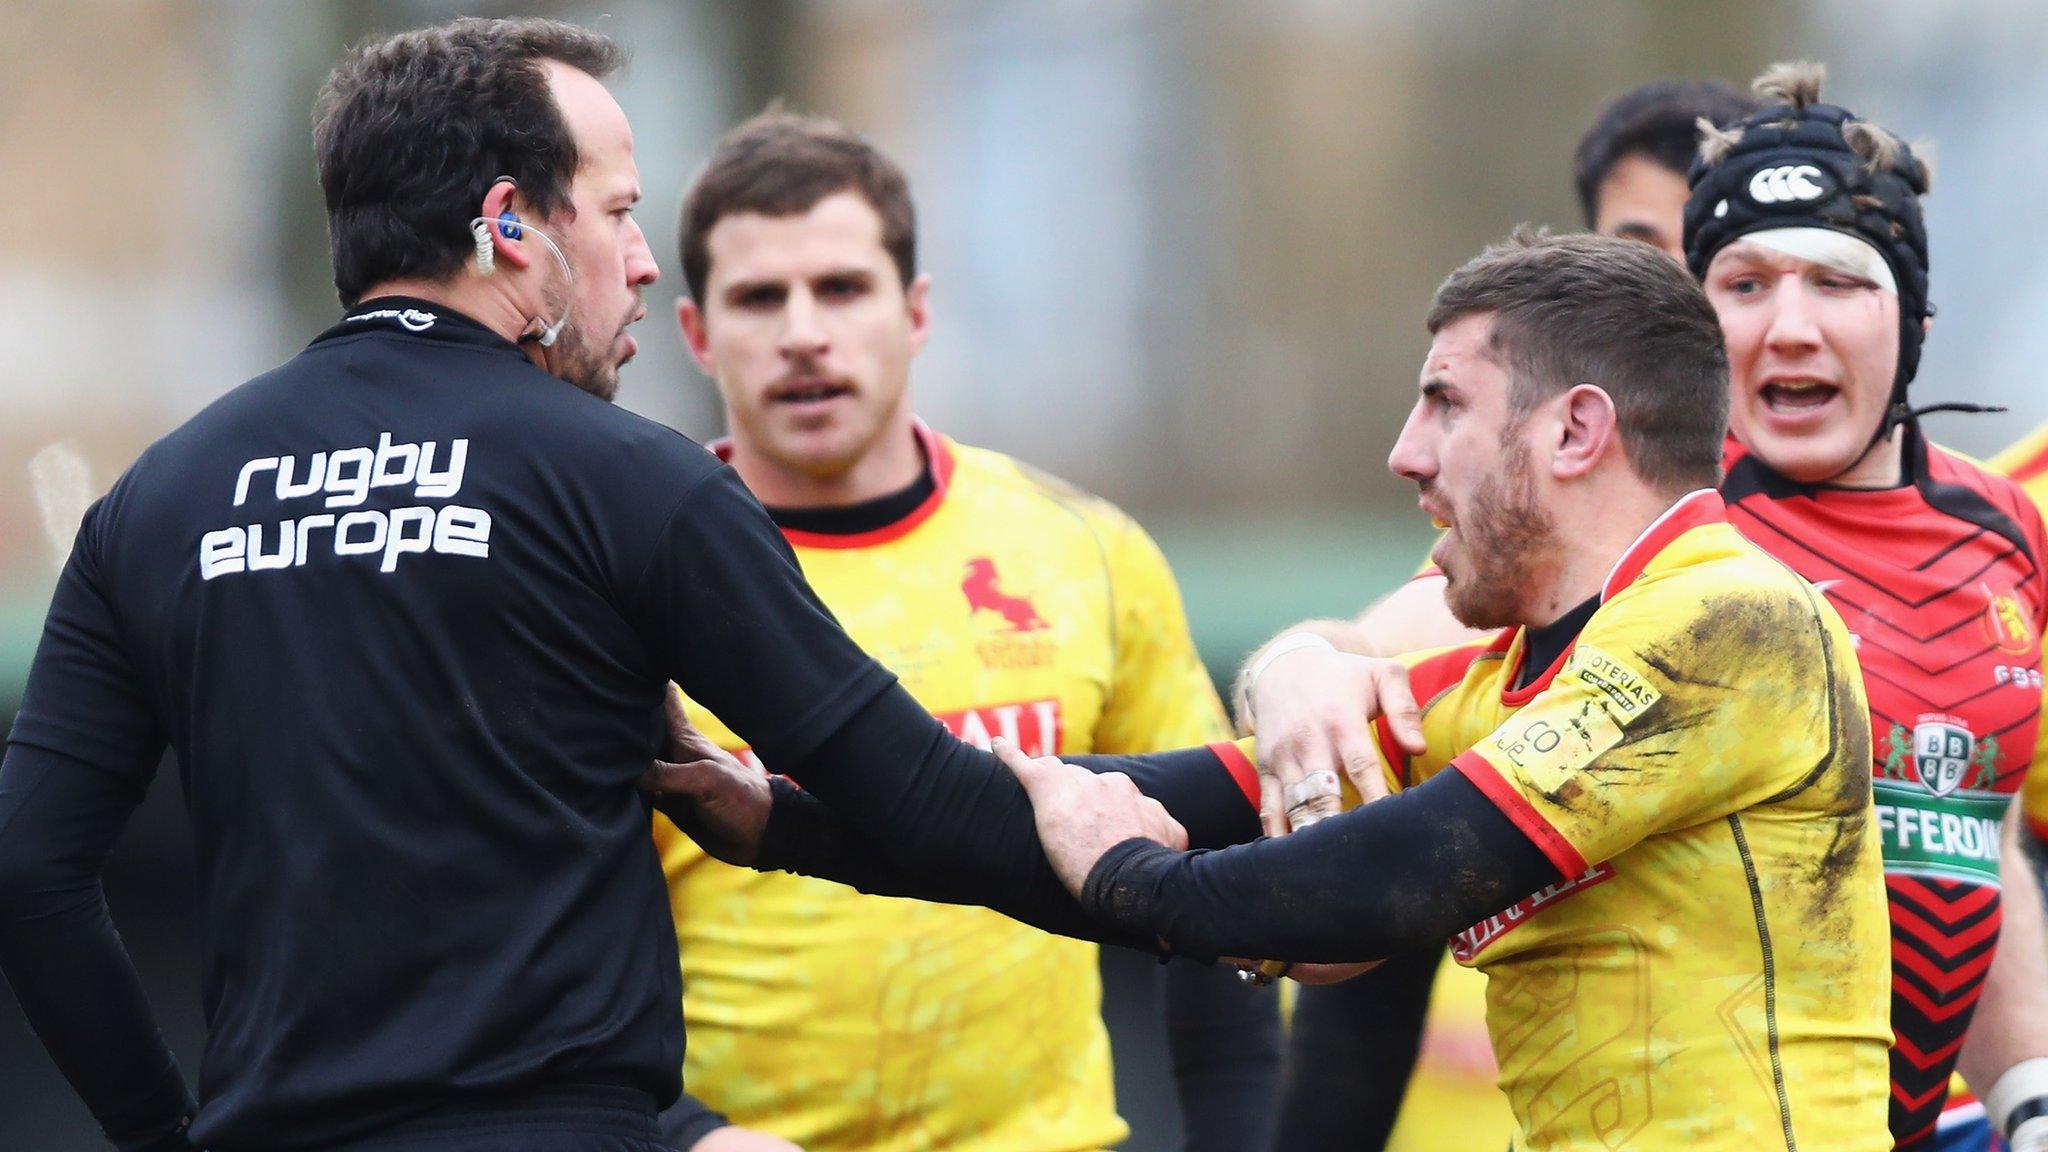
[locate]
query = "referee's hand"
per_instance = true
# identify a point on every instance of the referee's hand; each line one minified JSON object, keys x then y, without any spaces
{"x":715,"y":799}
{"x":1081,"y":815}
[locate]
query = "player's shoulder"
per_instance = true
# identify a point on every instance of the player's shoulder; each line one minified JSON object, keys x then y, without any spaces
{"x":2006,"y":493}
{"x":1711,"y":593}
{"x":2026,"y":460}
{"x":1031,"y":495}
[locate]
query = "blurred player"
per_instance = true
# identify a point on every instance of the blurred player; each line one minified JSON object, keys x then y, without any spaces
{"x":1629,"y":168}
{"x":1805,"y":227}
{"x":1351,"y":1046}
{"x":1011,"y":605}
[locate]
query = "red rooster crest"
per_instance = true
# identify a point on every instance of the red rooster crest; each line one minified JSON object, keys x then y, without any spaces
{"x":984,"y":592}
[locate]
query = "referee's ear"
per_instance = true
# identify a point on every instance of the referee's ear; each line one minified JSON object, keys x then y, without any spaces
{"x":1588,"y":430}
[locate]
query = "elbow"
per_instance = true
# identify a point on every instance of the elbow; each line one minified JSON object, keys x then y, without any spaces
{"x":35,"y":887}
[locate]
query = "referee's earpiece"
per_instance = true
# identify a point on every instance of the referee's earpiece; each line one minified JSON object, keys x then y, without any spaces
{"x":508,"y":225}
{"x":486,"y":251}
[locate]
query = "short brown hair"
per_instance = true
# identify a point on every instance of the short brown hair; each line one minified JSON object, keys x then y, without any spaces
{"x":1656,"y":121}
{"x":1616,"y":314}
{"x":411,"y":131}
{"x":781,"y":164}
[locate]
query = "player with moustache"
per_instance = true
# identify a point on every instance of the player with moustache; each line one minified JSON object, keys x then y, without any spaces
{"x":1352,"y":1047}
{"x":1656,"y":766}
{"x":1805,"y":228}
{"x":1010,"y":604}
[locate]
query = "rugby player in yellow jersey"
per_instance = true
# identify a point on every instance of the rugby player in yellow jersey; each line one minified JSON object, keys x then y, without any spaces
{"x":1353,"y":1048}
{"x":1799,"y":335}
{"x":1665,"y":752}
{"x":1011,"y":605}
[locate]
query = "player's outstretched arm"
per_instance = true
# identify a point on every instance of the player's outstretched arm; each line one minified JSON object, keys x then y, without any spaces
{"x":2005,"y":1054}
{"x":1441,"y":857}
{"x":988,"y":853}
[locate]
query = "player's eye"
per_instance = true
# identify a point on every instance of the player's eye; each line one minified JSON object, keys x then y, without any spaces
{"x":841,"y":287}
{"x":759,"y":297}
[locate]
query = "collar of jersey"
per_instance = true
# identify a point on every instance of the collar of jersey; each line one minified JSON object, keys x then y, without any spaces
{"x":1746,"y":474}
{"x":938,"y":454}
{"x":1695,"y":509}
{"x":446,"y":326}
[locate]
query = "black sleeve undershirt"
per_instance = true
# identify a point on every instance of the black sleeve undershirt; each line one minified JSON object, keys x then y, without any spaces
{"x":1396,"y":875}
{"x":895,"y":805}
{"x":1350,"y":1052}
{"x":957,"y":828}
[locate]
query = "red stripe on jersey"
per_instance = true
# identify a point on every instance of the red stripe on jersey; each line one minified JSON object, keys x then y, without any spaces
{"x":941,"y":462}
{"x":938,"y":457}
{"x":2032,"y":466}
{"x":1692,"y":511}
{"x":1520,"y":812}
{"x":1428,"y":681}
{"x":1241,"y":769}
{"x":1915,"y":1102}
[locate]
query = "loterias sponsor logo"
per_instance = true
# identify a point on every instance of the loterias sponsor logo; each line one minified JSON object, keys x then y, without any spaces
{"x":1476,"y":939}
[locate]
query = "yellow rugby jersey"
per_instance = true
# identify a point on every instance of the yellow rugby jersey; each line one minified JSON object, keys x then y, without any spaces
{"x":2027,"y":464}
{"x":1010,"y":605}
{"x":1714,"y":974}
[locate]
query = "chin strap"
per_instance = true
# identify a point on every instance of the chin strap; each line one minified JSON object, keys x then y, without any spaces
{"x":1901,"y":414}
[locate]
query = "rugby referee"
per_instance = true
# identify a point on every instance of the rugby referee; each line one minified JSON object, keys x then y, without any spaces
{"x":406,"y":608}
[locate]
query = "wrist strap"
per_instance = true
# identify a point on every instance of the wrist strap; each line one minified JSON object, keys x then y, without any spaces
{"x":2020,"y":1094}
{"x":1292,"y":642}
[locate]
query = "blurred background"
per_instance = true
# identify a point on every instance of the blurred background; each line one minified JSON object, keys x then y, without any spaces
{"x":1181,"y":253}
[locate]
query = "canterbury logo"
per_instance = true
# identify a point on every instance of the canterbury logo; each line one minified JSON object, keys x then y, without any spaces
{"x":1786,"y":184}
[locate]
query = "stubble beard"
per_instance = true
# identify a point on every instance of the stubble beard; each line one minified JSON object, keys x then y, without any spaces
{"x":580,"y":362}
{"x":1504,"y":535}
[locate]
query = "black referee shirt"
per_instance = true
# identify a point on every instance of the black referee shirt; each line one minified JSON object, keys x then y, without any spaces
{"x":405,"y":608}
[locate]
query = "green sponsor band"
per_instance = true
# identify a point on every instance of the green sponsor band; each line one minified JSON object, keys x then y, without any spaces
{"x":1954,"y":837}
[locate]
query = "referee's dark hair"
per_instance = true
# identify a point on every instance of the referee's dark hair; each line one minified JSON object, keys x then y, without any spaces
{"x":411,"y":131}
{"x":1658,"y":121}
{"x":781,"y":163}
{"x":1616,"y":314}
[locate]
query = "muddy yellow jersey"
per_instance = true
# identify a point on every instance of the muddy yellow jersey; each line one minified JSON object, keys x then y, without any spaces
{"x":1010,"y":605}
{"x":1713,"y":972}
{"x":2027,"y":464}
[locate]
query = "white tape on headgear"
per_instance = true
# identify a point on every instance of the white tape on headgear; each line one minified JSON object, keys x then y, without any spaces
{"x":1845,"y":253}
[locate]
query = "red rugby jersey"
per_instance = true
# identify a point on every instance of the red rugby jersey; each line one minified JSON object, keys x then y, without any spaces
{"x":1941,"y":584}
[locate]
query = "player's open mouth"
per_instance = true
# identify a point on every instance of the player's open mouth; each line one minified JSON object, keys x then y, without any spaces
{"x":809,"y":392}
{"x":1795,"y":397}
